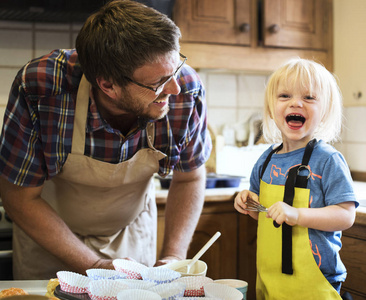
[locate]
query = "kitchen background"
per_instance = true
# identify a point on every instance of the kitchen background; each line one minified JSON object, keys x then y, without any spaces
{"x":233,"y":97}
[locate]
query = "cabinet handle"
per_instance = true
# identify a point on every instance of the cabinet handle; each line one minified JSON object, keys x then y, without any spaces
{"x":274,"y":28}
{"x":245,"y":27}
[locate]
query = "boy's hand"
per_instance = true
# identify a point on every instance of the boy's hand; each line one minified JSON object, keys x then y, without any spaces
{"x":283,"y":213}
{"x":241,"y":199}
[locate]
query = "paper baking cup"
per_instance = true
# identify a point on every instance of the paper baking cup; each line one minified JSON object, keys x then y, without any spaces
{"x":105,"y":289}
{"x":133,"y":269}
{"x":97,"y":274}
{"x":194,"y":285}
{"x":222,"y":291}
{"x":169,"y":291}
{"x":160,"y":275}
{"x":73,"y":282}
{"x":138,"y":284}
{"x":196,"y":298}
{"x":136,"y":294}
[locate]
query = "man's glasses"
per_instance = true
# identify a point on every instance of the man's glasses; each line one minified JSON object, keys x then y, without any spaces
{"x":160,"y":87}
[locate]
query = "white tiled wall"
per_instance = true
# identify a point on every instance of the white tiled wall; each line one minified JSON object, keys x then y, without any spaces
{"x":22,"y":41}
{"x":232,"y":97}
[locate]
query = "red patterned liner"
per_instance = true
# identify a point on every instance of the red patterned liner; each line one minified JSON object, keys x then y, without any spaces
{"x":194,"y":293}
{"x":72,"y":289}
{"x":96,"y":297}
{"x":130,"y":274}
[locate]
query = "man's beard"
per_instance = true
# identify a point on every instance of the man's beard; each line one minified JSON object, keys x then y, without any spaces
{"x":134,"y":106}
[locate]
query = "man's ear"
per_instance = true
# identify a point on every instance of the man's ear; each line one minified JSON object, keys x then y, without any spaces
{"x":107,"y":87}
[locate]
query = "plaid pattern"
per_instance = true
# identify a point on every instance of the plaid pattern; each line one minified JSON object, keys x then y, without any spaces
{"x":38,"y":123}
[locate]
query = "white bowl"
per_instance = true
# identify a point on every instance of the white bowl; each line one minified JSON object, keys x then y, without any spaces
{"x":198,"y":269}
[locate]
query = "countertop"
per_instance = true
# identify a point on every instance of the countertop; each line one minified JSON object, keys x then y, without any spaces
{"x":227,"y":194}
{"x":33,"y":287}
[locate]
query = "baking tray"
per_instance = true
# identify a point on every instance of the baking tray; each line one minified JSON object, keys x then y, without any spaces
{"x":212,"y":181}
{"x":69,"y":296}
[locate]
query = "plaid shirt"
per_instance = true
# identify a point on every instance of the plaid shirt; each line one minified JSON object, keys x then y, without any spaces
{"x":38,"y":124}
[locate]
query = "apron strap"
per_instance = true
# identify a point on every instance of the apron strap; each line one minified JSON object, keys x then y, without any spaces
{"x":293,"y":180}
{"x":269,"y":158}
{"x":81,"y":114}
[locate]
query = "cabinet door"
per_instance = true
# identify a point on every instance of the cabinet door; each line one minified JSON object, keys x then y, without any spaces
{"x":296,"y":23}
{"x":214,"y":21}
{"x":221,"y":257}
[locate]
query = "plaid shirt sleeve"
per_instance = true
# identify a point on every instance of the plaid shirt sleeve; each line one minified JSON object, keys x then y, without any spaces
{"x":35,"y":137}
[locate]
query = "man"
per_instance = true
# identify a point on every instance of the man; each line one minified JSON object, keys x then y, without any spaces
{"x":84,"y":132}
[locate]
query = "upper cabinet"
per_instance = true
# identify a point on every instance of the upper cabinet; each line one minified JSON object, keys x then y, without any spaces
{"x":210,"y":21}
{"x":296,"y":24}
{"x":254,"y":34}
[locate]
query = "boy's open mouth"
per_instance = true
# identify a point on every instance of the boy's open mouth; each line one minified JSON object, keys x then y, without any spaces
{"x":295,"y":120}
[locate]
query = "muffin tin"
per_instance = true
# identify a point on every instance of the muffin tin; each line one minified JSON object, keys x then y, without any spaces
{"x":212,"y":181}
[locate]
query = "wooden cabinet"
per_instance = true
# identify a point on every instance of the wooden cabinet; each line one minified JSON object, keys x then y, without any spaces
{"x":296,"y":24}
{"x":254,"y":34}
{"x":233,"y":255}
{"x":353,"y":254}
{"x":218,"y":22}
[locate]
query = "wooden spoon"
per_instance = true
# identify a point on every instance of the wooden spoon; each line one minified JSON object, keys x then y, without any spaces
{"x":203,"y":250}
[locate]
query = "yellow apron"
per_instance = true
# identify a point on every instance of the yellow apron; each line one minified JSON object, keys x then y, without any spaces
{"x":110,"y":207}
{"x":307,"y":281}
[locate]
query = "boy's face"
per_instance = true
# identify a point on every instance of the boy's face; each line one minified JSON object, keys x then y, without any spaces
{"x":297,"y":113}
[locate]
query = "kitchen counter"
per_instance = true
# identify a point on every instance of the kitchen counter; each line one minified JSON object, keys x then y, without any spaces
{"x":227,"y":194}
{"x":33,"y":287}
{"x":239,"y":236}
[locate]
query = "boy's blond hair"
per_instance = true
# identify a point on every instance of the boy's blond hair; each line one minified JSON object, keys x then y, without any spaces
{"x":315,"y":78}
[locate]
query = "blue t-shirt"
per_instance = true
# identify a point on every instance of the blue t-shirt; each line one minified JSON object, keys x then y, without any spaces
{"x":330,"y":183}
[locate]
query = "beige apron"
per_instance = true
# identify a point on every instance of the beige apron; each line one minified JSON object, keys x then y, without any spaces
{"x":110,"y":207}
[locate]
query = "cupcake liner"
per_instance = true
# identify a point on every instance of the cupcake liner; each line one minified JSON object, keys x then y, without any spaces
{"x":138,"y":284}
{"x":194,"y":285}
{"x":105,"y":289}
{"x":136,"y":294}
{"x":197,"y":298}
{"x":133,"y":269}
{"x":223,"y":291}
{"x":97,"y":274}
{"x":71,"y":282}
{"x":160,"y":275}
{"x":169,"y":291}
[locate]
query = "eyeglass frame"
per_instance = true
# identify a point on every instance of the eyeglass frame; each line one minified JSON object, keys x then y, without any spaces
{"x":165,"y":81}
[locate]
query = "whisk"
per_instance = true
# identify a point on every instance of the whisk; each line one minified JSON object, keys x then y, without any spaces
{"x":256,"y":206}
{"x":253,"y":205}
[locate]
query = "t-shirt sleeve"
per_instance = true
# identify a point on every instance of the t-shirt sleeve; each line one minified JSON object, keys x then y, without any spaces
{"x":337,"y":181}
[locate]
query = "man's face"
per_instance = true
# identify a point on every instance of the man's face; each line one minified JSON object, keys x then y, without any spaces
{"x":137,"y":99}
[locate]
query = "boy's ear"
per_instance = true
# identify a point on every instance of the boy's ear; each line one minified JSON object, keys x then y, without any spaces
{"x":107,"y":87}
